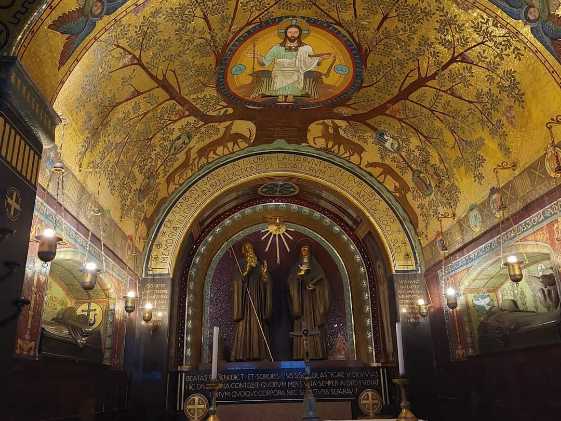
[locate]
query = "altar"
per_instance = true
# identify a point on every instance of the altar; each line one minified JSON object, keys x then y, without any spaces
{"x":262,"y":386}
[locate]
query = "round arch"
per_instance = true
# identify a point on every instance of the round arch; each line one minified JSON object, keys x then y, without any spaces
{"x":379,"y":206}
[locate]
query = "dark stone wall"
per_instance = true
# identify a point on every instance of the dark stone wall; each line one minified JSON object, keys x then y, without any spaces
{"x":53,"y":389}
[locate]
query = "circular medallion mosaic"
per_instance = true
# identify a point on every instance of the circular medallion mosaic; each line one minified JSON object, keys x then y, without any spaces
{"x":370,"y":402}
{"x":296,"y":62}
{"x":195,"y":406}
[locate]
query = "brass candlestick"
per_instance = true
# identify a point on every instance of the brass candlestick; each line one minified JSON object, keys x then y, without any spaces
{"x":405,"y":414}
{"x":214,"y":387}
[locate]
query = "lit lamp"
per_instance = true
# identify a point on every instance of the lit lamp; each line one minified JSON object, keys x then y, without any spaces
{"x":451,"y":298}
{"x":130,"y":302}
{"x":48,"y":242}
{"x":90,"y":276}
{"x":514,"y":267}
{"x":147,"y":313}
{"x":423,"y":307}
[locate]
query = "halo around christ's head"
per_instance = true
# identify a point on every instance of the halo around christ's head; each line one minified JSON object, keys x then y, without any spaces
{"x":287,"y":23}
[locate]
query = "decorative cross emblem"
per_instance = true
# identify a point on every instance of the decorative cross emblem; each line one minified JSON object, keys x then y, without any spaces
{"x":89,"y":310}
{"x":370,"y":402}
{"x":13,"y":204}
{"x":196,"y":407}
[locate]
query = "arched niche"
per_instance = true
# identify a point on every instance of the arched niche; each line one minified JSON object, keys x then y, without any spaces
{"x":514,"y":315}
{"x":367,"y":302}
{"x":340,"y":320}
{"x":76,"y":323}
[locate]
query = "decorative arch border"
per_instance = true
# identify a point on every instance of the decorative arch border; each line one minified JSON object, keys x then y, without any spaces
{"x":380,"y":207}
{"x":350,"y":326}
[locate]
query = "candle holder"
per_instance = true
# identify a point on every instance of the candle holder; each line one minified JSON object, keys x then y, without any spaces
{"x":309,"y":398}
{"x":514,"y":268}
{"x":423,"y":307}
{"x":451,"y":298}
{"x":147,"y":313}
{"x":405,"y":414}
{"x":48,"y":243}
{"x":130,"y":302}
{"x":214,"y":386}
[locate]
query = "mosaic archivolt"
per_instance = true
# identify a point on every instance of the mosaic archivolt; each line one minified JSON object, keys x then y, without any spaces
{"x":167,"y":241}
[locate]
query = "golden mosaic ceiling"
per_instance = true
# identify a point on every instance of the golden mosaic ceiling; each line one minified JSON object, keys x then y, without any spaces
{"x":427,"y":96}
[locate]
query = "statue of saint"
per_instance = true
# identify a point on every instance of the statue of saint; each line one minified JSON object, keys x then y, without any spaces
{"x":252,"y":307}
{"x":309,"y":304}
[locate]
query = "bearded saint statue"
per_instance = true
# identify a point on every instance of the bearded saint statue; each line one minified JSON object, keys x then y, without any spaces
{"x":309,"y":305}
{"x":252,"y":307}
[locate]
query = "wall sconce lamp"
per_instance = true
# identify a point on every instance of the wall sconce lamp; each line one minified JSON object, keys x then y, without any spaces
{"x":147,"y":313}
{"x":48,"y":242}
{"x":451,"y":298}
{"x":514,"y":267}
{"x":423,"y":307}
{"x":441,"y":241}
{"x":130,"y":302}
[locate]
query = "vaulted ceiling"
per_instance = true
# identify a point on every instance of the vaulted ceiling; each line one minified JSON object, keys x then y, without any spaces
{"x":428,"y":96}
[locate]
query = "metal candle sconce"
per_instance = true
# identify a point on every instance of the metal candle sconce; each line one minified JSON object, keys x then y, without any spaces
{"x":89,"y":280}
{"x":147,"y":313}
{"x":423,"y":307}
{"x":451,"y":298}
{"x":130,"y":302}
{"x":48,"y":243}
{"x":514,"y":268}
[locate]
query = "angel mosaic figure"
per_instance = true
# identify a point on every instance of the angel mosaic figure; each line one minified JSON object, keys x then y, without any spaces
{"x":77,"y":24}
{"x":543,"y":17}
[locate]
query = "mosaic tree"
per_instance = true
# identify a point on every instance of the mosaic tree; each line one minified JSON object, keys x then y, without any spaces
{"x":437,"y":86}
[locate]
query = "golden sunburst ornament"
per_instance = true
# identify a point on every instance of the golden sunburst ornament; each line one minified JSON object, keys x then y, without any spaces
{"x":277,"y":230}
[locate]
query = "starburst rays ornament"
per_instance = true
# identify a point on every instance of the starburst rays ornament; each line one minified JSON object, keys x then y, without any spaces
{"x":276,"y":232}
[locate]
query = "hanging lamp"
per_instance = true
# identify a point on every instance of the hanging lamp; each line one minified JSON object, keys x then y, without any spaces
{"x":513,"y":264}
{"x":147,"y":313}
{"x":49,"y":239}
{"x":90,"y":268}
